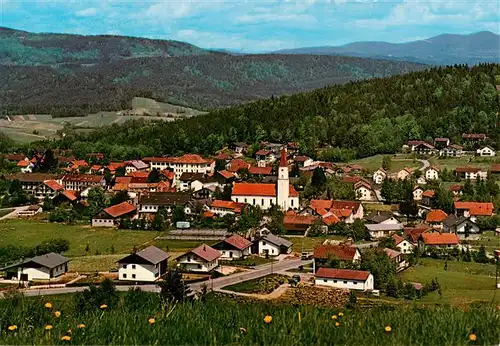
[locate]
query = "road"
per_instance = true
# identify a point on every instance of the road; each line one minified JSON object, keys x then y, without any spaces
{"x":425,"y":165}
{"x":13,"y":214}
{"x":213,"y":284}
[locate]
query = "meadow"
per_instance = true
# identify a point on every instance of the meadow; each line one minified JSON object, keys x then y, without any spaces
{"x":372,"y":163}
{"x":140,"y":320}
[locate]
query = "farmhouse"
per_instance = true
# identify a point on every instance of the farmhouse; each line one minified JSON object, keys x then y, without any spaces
{"x":110,"y":216}
{"x":202,"y":259}
{"x":221,"y":208}
{"x":397,"y":258}
{"x":196,"y":181}
{"x":431,"y":173}
{"x":417,"y":193}
{"x":473,"y":209}
{"x":383,"y":230}
{"x":48,"y":189}
{"x":404,"y":173}
{"x":441,"y":142}
{"x":471,"y":173}
{"x":271,"y":245}
{"x":146,"y":265}
{"x":264,"y":171}
{"x":265,"y":195}
{"x":403,"y":245}
{"x":486,"y":151}
{"x":344,"y":278}
{"x":462,"y":226}
{"x":134,"y":166}
{"x":452,"y":151}
{"x":43,"y":267}
{"x":31,"y":181}
{"x":303,"y":161}
{"x":382,"y":217}
{"x":341,"y":253}
{"x":234,"y":247}
{"x":424,"y":148}
{"x":437,"y":240}
{"x":474,"y":137}
{"x":265,"y":155}
{"x":346,"y":211}
{"x":435,"y":218}
{"x":379,"y":175}
{"x":153,"y":201}
{"x":364,"y":191}
{"x":80,"y":182}
{"x":188,"y":163}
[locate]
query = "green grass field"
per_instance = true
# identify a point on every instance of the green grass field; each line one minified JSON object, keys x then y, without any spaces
{"x":373,"y":163}
{"x":309,"y":243}
{"x":454,"y":162}
{"x":462,"y":283}
{"x":224,"y":321}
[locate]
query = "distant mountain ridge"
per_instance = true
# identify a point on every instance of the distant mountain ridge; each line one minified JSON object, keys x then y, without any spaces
{"x":443,"y":49}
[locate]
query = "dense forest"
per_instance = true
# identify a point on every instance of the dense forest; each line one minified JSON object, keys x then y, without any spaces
{"x":71,"y":75}
{"x":359,"y":118}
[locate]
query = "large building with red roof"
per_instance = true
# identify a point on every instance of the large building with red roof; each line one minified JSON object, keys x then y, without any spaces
{"x":108,"y":217}
{"x":234,"y":247}
{"x":344,"y":278}
{"x":265,"y":195}
{"x":188,"y":163}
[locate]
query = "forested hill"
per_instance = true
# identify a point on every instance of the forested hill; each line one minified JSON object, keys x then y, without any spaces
{"x":361,"y":118}
{"x":71,"y":75}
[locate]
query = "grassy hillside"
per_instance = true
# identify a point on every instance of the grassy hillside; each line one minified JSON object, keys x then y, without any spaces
{"x":70,"y":75}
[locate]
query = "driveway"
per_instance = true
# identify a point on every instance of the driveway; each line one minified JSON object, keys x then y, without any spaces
{"x":425,"y":165}
{"x":13,"y":214}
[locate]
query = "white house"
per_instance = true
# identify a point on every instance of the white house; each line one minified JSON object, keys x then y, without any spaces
{"x":43,"y":267}
{"x":234,"y":247}
{"x":471,"y":173}
{"x":110,"y":216}
{"x":379,"y":175}
{"x":265,"y":195}
{"x":452,"y":151}
{"x":80,"y":182}
{"x":188,"y":163}
{"x":344,"y":278}
{"x":383,"y":230}
{"x":403,"y":245}
{"x":271,"y":245}
{"x":431,"y":173}
{"x":220,"y":207}
{"x":404,"y":173}
{"x":153,"y":201}
{"x":463,"y":227}
{"x":146,"y":265}
{"x":134,"y":166}
{"x":397,"y":258}
{"x":202,"y":259}
{"x":364,"y":191}
{"x":486,"y":151}
{"x":417,"y":193}
{"x":303,"y":161}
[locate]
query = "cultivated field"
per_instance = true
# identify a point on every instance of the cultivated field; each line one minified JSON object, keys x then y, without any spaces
{"x":454,"y":162}
{"x":373,"y":163}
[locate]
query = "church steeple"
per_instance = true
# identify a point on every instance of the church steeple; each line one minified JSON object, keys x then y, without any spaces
{"x":283,"y":159}
{"x":283,"y":184}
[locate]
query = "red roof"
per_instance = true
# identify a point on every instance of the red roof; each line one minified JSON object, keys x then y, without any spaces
{"x":120,"y":209}
{"x":263,"y":152}
{"x":236,"y":164}
{"x":168,"y":174}
{"x":260,"y":170}
{"x":123,"y":180}
{"x":456,"y":187}
{"x":495,"y":168}
{"x":442,"y":139}
{"x":436,"y":215}
{"x":69,"y":195}
{"x":414,"y":232}
{"x":235,"y":206}
{"x":428,"y":193}
{"x":342,"y":274}
{"x":474,"y":136}
{"x":139,"y":174}
{"x":208,"y":214}
{"x":283,"y":158}
{"x":53,"y":185}
{"x":351,"y":179}
{"x":439,"y":238}
{"x":476,"y":208}
{"x":83,"y":177}
{"x":299,"y":219}
{"x":23,"y":163}
{"x":206,"y":252}
{"x":226,"y":174}
{"x":341,"y":252}
{"x":238,"y":242}
{"x":300,"y":158}
{"x":331,"y":220}
{"x":467,"y":169}
{"x":256,"y":189}
{"x":186,"y":158}
{"x":95,"y":168}
{"x":397,"y":239}
{"x":223,"y":156}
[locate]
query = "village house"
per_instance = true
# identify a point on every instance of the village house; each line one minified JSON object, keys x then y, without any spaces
{"x":431,"y":173}
{"x":110,"y":217}
{"x":282,"y":193}
{"x":26,"y":166}
{"x":303,"y":161}
{"x":428,"y":197}
{"x":48,"y":189}
{"x":486,"y":151}
{"x":412,"y":234}
{"x":364,"y":191}
{"x":220,"y":208}
{"x":344,"y":278}
{"x":471,"y":173}
{"x":474,"y":137}
{"x":271,"y":245}
{"x":265,"y":156}
{"x":202,"y":259}
{"x":437,"y":240}
{"x":147,"y":265}
{"x":424,"y":148}
{"x":135,"y":165}
{"x":380,"y":230}
{"x":188,"y":163}
{"x":205,"y":193}
{"x":234,"y":247}
{"x":397,"y":258}
{"x":240,"y":148}
{"x":43,"y":267}
{"x":440,"y":143}
{"x":382,"y":217}
{"x":402,"y":244}
{"x":264,"y":171}
{"x":30,"y":182}
{"x":300,"y":224}
{"x":76,"y":166}
{"x":404,"y":173}
{"x":435,"y":218}
{"x":417,"y":193}
{"x":224,"y":177}
{"x":456,"y":189}
{"x":150,"y":203}
{"x":346,"y":211}
{"x":80,"y":182}
{"x":473,"y":209}
{"x":341,"y":253}
{"x":463,"y":227}
{"x":196,"y":181}
{"x":452,"y":150}
{"x":379,"y":175}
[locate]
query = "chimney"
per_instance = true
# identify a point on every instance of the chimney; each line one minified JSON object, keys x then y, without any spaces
{"x":204,"y":248}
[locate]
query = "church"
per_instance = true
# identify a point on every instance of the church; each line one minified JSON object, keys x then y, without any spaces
{"x":265,"y":195}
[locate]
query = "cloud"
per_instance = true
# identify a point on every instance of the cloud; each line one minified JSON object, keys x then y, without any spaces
{"x":270,"y":17}
{"x":88,"y":12}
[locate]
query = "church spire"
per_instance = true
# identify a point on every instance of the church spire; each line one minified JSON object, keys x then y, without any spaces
{"x":283,"y":159}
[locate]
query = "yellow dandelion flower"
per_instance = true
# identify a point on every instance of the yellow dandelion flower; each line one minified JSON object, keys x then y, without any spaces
{"x":80,"y":326}
{"x":472,"y":337}
{"x":48,"y":305}
{"x":334,"y":317}
{"x":388,"y":329}
{"x":48,"y":327}
{"x":337,"y":324}
{"x":341,"y":314}
{"x":151,"y":320}
{"x":268,"y":319}
{"x":66,"y":338}
{"x":13,"y":328}
{"x":243,"y":330}
{"x":103,"y":306}
{"x":57,"y":314}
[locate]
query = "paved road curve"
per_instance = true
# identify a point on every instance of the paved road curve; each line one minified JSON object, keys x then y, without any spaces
{"x":213,"y":284}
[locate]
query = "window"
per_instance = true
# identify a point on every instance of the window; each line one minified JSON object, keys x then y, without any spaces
{"x":133,"y":276}
{"x":157,"y":274}
{"x":292,"y":202}
{"x":199,"y":266}
{"x":124,"y":276}
{"x":355,"y":282}
{"x":345,"y":282}
{"x":133,"y":266}
{"x":263,"y":243}
{"x":253,"y":202}
{"x":189,"y":258}
{"x":325,"y":280}
{"x":334,"y":281}
{"x":156,"y":265}
{"x":124,"y":266}
{"x":230,"y":254}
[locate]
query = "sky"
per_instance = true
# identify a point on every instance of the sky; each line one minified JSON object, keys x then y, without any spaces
{"x":256,"y":25}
